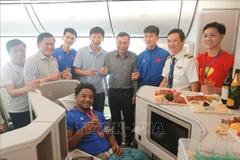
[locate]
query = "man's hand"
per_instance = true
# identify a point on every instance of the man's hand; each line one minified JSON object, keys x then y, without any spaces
{"x":67,"y":75}
{"x":117,"y":150}
{"x":135,"y":76}
{"x":133,"y":100}
{"x":34,"y":84}
{"x":104,"y":70}
{"x":91,"y":72}
{"x":208,"y":89}
{"x":90,"y":127}
{"x":2,"y":128}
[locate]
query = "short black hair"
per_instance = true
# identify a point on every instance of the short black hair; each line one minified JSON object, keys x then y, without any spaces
{"x":43,"y":35}
{"x":219,"y":26}
{"x":84,"y":86}
{"x":96,"y":30}
{"x":151,"y":29}
{"x":13,"y":43}
{"x":123,"y":34}
{"x":179,"y":31}
{"x":70,"y":30}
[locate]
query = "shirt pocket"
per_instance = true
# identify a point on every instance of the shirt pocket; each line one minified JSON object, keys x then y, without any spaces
{"x":179,"y":73}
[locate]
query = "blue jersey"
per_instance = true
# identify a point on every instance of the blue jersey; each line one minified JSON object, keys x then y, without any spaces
{"x":150,"y":65}
{"x":65,"y":60}
{"x":91,"y":143}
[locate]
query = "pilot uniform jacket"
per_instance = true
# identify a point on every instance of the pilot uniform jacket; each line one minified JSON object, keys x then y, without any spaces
{"x":185,"y":70}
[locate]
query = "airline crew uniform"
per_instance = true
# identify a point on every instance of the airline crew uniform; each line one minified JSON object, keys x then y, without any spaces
{"x":150,"y":64}
{"x":17,"y":106}
{"x":39,"y":66}
{"x":87,"y":59}
{"x":185,"y":71}
{"x":65,"y":60}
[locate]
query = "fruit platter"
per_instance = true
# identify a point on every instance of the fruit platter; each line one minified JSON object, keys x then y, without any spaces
{"x":168,"y":96}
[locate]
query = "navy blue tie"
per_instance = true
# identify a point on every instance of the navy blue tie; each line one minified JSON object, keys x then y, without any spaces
{"x":170,"y":75}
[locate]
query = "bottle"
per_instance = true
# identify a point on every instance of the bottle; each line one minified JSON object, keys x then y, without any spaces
{"x":233,"y":100}
{"x":226,"y":85}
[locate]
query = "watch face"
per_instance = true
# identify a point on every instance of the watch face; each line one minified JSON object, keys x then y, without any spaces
{"x":82,"y":158}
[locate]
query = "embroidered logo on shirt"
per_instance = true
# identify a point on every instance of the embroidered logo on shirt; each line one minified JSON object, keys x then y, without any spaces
{"x":81,"y":118}
{"x":144,"y":60}
{"x":73,"y":57}
{"x":17,"y":73}
{"x":59,"y":57}
{"x":158,"y":60}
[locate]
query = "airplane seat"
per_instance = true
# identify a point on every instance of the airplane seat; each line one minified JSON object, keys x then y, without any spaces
{"x":3,"y":109}
{"x":54,"y":90}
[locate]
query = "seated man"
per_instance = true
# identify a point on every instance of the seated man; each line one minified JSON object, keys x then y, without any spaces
{"x":87,"y":129}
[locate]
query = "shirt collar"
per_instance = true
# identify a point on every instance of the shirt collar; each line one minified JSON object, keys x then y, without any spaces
{"x":13,"y":65}
{"x":156,"y":46}
{"x":63,"y":50}
{"x":116,"y":53}
{"x":180,"y":54}
{"x":91,"y":51}
{"x":42,"y":56}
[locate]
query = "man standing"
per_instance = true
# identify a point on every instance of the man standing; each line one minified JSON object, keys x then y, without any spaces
{"x":65,"y":55}
{"x":88,"y":62}
{"x":181,"y":69}
{"x":42,"y":65}
{"x":151,"y":61}
{"x":12,"y":79}
{"x":120,"y":64}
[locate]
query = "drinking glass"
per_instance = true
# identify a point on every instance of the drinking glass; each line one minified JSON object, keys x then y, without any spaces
{"x":223,"y":126}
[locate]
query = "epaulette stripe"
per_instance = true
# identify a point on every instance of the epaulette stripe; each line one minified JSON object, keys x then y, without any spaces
{"x":188,"y":56}
{"x":169,"y":57}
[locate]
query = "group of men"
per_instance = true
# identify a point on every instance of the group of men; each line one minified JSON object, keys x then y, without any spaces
{"x":92,"y":64}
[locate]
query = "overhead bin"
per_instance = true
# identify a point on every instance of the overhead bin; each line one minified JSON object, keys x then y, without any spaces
{"x":15,"y":21}
{"x":134,"y":16}
{"x":113,"y":16}
{"x":81,"y":16}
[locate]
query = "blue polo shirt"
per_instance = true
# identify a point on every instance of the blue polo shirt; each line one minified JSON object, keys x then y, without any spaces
{"x":91,"y":143}
{"x":150,"y":65}
{"x":65,"y":59}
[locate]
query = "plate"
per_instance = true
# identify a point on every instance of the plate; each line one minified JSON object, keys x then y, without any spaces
{"x":170,"y":97}
{"x":234,"y":134}
{"x":207,"y":104}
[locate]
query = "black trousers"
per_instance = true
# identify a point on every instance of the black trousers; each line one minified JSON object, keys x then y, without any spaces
{"x":20,"y":119}
{"x":99,"y":102}
{"x":121,"y":100}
